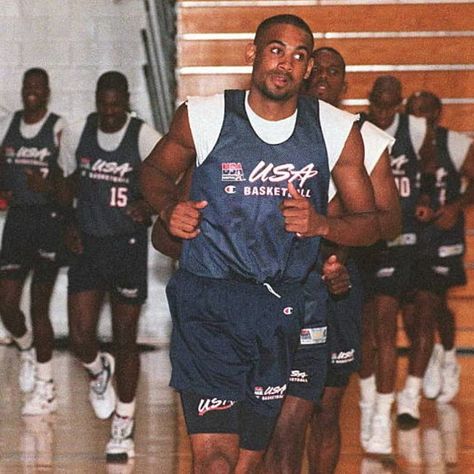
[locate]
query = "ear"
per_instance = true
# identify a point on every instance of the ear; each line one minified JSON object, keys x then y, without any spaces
{"x":309,"y":68}
{"x":250,"y":53}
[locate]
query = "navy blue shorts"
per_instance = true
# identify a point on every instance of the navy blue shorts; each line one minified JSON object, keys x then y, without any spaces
{"x":389,"y":272}
{"x":344,"y":327}
{"x":438,"y":274}
{"x":233,"y":340}
{"x":33,"y":239}
{"x":116,"y":264}
{"x":310,"y":362}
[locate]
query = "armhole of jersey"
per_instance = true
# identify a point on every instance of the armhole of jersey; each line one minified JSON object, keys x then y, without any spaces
{"x":206,"y":117}
{"x":376,"y":141}
{"x":148,"y":137}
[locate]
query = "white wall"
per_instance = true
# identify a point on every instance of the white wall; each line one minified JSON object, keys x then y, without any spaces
{"x":75,"y":41}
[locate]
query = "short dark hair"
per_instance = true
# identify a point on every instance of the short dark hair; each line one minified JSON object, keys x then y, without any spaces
{"x":36,"y":71}
{"x":112,"y":80}
{"x":332,"y":51}
{"x":386,"y":84}
{"x":286,"y":19}
{"x":433,"y":98}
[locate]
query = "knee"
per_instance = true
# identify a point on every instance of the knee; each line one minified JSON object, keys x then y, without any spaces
{"x":215,"y":462}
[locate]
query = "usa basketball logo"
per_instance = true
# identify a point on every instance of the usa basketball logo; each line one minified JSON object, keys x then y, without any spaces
{"x":232,"y":172}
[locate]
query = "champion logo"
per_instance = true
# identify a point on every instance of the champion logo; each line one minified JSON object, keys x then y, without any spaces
{"x":51,"y":256}
{"x":342,"y":357}
{"x":232,"y":172}
{"x":385,"y":272}
{"x":288,"y":310}
{"x":441,"y":270}
{"x":210,"y":404}
{"x":230,"y":189}
{"x":128,"y":292}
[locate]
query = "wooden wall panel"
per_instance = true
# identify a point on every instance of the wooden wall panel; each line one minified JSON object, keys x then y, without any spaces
{"x":447,"y":50}
{"x":323,"y":18}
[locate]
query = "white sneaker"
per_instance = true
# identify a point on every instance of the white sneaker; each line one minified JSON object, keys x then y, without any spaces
{"x":42,"y":400}
{"x":101,"y":391}
{"x":121,"y":446}
{"x":27,"y":373}
{"x":450,"y":387}
{"x":408,"y":408}
{"x":432,"y":379}
{"x":366,"y":414}
{"x":381,"y":440}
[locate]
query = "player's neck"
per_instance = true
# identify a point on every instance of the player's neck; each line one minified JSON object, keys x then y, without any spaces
{"x":34,"y":116}
{"x":269,"y":109}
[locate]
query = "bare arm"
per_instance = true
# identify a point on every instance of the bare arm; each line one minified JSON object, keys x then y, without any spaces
{"x":173,"y":155}
{"x":386,"y":198}
{"x":360,"y":226}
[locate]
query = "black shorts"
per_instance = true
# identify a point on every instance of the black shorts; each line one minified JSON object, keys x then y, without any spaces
{"x":33,"y":239}
{"x":116,"y":264}
{"x":233,"y":340}
{"x":438,"y":274}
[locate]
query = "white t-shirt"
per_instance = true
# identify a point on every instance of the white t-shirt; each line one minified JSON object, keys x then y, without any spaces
{"x":30,"y":130}
{"x":206,"y":117}
{"x":417,"y":127}
{"x":375,"y":143}
{"x":147,"y":139}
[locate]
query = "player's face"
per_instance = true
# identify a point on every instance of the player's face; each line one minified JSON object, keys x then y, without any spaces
{"x":112,"y":107}
{"x":424,"y":107}
{"x":281,"y":61}
{"x":327,"y":78}
{"x":383,"y":110}
{"x":35,"y":92}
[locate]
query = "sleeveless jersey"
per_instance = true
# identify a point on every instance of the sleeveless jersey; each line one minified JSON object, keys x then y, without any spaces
{"x":244,"y":181}
{"x":438,"y":242}
{"x":108,"y":181}
{"x":20,"y":154}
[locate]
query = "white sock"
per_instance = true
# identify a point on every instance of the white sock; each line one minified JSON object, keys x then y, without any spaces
{"x":367,"y":389}
{"x":95,"y":367}
{"x":44,"y":371}
{"x":24,"y":342}
{"x":125,"y":409}
{"x":413,"y":384}
{"x":383,"y":404}
{"x":450,"y":356}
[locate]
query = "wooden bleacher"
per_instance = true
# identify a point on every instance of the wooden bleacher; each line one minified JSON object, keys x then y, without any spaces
{"x":427,"y":44}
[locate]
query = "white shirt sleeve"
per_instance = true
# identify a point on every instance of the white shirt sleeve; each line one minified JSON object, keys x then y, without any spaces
{"x":376,"y":141}
{"x":59,"y":126}
{"x":69,"y":142}
{"x":458,"y":147}
{"x":206,"y":116}
{"x":417,"y":127}
{"x":336,"y":125}
{"x":147,"y":139}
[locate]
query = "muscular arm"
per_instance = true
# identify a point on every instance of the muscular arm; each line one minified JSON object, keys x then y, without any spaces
{"x":170,"y":158}
{"x":386,"y":198}
{"x":360,"y":225}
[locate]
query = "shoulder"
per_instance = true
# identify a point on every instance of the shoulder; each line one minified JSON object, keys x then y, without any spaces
{"x":205,"y":107}
{"x":373,"y":134}
{"x":329,"y":112}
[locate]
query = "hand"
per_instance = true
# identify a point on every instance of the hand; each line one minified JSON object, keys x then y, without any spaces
{"x":7,"y":195}
{"x":36,"y":181}
{"x":300,"y":215}
{"x":424,"y":213}
{"x":446,"y":216}
{"x":72,"y":239}
{"x":336,"y":276}
{"x":140,"y":212}
{"x":183,"y":218}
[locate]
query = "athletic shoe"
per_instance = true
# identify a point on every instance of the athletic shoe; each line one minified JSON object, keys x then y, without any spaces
{"x":101,"y":391}
{"x":121,"y":446}
{"x":27,"y":374}
{"x":408,"y":409}
{"x":432,"y":379}
{"x":381,"y":440}
{"x":366,"y":414}
{"x":42,"y":400}
{"x":450,"y":387}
